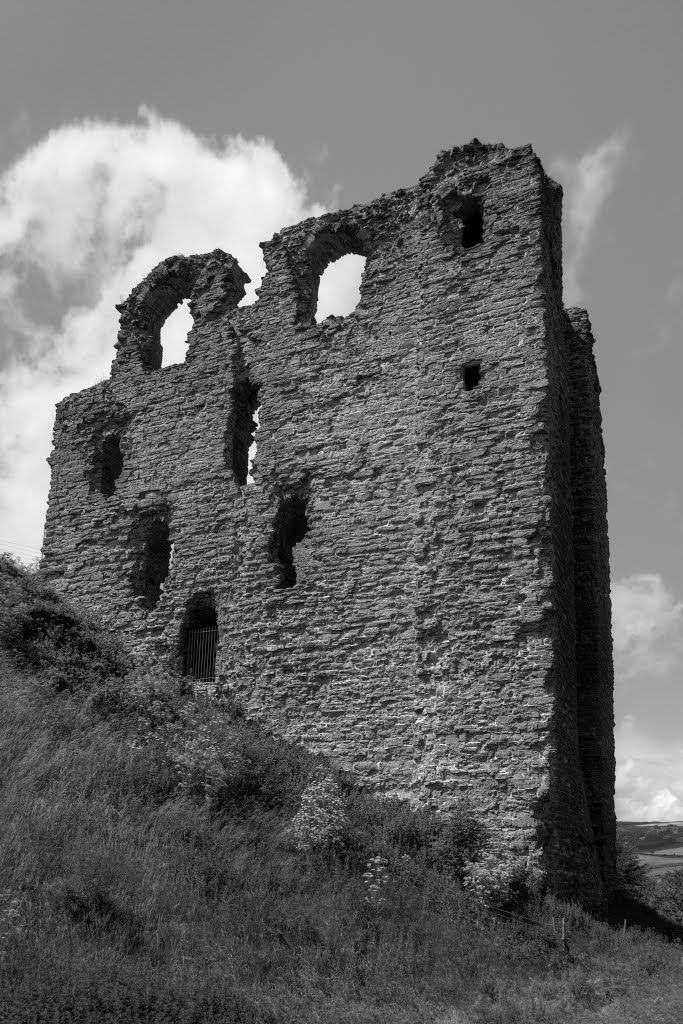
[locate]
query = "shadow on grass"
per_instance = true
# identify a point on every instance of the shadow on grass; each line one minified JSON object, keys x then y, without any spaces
{"x":626,"y":908}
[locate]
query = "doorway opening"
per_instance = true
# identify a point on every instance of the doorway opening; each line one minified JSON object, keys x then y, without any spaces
{"x":199,"y":638}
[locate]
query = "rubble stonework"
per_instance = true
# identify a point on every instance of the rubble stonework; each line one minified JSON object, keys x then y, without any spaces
{"x":416,"y":582}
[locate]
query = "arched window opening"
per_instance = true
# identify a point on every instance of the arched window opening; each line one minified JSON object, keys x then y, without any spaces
{"x":199,"y":638}
{"x":245,"y":423}
{"x":152,"y":540}
{"x":215,"y":276}
{"x":107,"y":465}
{"x":339,"y":287}
{"x":325,"y":254}
{"x":472,"y":224}
{"x":291,"y":526}
{"x":173,"y":335}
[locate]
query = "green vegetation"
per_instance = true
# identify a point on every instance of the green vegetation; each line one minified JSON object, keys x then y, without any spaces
{"x":662,"y":893}
{"x":667,"y":895}
{"x":162,"y":859}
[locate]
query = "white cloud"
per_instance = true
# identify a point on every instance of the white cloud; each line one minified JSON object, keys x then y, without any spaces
{"x":339,"y":288}
{"x":649,"y":784}
{"x":587,"y":182}
{"x":84,"y":215}
{"x":647,"y":627}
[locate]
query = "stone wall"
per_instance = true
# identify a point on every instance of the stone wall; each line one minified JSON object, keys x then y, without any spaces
{"x":416,"y":582}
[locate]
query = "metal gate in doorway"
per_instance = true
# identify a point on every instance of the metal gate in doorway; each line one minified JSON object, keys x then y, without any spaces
{"x":200,"y":654}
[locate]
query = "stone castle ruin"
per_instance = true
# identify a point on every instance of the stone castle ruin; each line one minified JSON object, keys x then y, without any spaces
{"x":416,"y":581}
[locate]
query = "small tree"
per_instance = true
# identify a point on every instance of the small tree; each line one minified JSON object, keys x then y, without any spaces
{"x":632,"y":877}
{"x":668,"y":895}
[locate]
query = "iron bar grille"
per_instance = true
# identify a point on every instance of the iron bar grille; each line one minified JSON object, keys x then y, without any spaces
{"x":200,"y":654}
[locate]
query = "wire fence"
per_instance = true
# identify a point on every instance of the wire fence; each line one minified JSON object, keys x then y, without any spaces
{"x":25,"y":553}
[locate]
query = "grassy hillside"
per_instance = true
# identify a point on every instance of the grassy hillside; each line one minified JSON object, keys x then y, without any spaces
{"x":162,"y":859}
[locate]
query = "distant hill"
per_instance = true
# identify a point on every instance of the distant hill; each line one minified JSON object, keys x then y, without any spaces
{"x":651,"y":836}
{"x":659,"y":844}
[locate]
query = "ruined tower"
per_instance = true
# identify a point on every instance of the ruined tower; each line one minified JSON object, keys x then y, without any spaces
{"x":416,"y":582}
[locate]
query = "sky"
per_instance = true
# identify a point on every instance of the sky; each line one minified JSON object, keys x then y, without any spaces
{"x":130,"y":131}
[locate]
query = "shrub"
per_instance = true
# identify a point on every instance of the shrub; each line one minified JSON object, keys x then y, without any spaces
{"x":320,"y":823}
{"x":278,"y":771}
{"x":153,"y":702}
{"x":461,"y":840}
{"x":668,"y":895}
{"x":496,"y":879}
{"x":393,"y":829}
{"x":207,"y":770}
{"x":43,"y":632}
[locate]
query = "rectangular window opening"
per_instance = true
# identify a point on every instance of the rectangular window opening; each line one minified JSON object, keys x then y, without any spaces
{"x":471,"y":375}
{"x":472,"y":224}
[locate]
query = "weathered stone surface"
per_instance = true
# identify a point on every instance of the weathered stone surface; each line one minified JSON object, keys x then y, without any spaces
{"x":417,"y":581}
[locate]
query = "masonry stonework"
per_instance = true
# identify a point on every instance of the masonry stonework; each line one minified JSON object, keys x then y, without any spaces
{"x":416,"y":581}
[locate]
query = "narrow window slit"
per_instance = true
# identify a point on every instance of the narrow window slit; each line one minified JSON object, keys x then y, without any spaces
{"x":240,"y":443}
{"x":251,"y":454}
{"x":107,"y":465}
{"x":472,"y":226}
